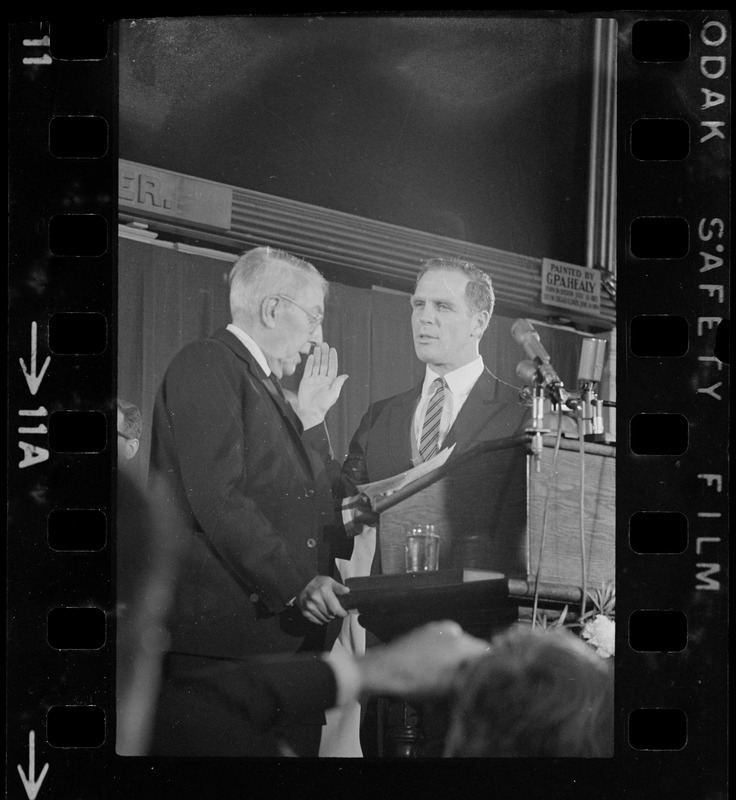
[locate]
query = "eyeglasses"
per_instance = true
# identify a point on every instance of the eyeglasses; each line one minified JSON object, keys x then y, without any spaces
{"x":123,"y":436}
{"x":314,"y":319}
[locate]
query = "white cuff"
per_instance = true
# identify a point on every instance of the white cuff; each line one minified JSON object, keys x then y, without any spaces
{"x":352,"y":528}
{"x":347,"y":676}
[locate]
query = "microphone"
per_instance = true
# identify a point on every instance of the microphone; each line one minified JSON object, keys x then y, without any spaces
{"x":592,"y":358}
{"x":528,"y":338}
{"x":527,"y":371}
{"x":536,"y":372}
{"x":590,"y":370}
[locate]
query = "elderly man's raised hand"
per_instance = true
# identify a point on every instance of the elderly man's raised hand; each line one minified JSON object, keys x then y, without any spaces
{"x":320,"y":385}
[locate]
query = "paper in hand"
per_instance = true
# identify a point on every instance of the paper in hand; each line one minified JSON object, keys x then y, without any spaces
{"x":388,"y":486}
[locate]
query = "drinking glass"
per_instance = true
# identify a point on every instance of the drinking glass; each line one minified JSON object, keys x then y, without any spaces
{"x":422,"y":548}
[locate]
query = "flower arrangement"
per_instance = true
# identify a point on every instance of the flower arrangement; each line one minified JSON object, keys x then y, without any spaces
{"x":600,"y":632}
{"x":596,"y":626}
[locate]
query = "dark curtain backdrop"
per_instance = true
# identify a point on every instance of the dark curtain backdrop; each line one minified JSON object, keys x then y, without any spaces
{"x":168,"y":298}
{"x":473,"y":127}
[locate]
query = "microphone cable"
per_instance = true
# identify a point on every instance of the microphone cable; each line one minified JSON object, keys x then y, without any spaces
{"x":581,"y":440}
{"x":545,"y":511}
{"x":505,"y":383}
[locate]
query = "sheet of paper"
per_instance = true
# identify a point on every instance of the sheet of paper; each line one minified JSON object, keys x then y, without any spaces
{"x":387,"y":486}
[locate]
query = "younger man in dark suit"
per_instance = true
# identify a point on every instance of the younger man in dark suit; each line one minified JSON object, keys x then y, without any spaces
{"x":460,"y":401}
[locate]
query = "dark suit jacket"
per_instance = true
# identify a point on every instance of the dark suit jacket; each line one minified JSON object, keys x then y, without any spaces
{"x":254,"y":496}
{"x":381,"y":447}
{"x":220,"y":708}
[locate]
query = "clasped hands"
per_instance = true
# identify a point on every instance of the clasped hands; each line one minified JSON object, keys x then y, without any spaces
{"x":320,"y":385}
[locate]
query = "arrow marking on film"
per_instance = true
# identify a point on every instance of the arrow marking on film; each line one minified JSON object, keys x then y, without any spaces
{"x":32,"y":379}
{"x":30,"y":783}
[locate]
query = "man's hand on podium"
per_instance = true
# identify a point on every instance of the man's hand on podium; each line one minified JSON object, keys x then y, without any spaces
{"x":318,"y":600}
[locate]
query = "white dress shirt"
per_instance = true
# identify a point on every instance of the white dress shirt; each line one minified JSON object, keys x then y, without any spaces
{"x":252,"y":347}
{"x":459,"y":383}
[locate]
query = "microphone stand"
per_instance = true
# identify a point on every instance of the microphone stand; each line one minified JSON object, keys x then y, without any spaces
{"x":583,"y":406}
{"x":587,"y":410}
{"x":536,"y":430}
{"x":544,"y":384}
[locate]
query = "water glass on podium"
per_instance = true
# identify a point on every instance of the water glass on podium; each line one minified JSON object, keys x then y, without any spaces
{"x":422,"y":548}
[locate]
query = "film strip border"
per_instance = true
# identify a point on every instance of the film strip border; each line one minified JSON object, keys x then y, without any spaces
{"x":61,"y":381}
{"x":673,"y":128}
{"x":673,"y":208}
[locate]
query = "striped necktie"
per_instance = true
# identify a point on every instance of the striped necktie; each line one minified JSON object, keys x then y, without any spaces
{"x":431,"y":428}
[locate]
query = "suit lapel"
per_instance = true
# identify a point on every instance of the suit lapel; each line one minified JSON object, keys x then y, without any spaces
{"x":477,"y":411}
{"x":400,"y":429}
{"x":281,"y":402}
{"x":290,"y":419}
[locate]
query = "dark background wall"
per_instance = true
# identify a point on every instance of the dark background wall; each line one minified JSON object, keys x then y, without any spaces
{"x":472,"y":128}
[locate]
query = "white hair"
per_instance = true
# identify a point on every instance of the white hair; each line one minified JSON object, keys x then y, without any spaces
{"x":265,"y":271}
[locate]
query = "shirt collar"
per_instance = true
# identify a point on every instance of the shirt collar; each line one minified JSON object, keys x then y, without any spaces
{"x":460,"y":381}
{"x":252,"y":347}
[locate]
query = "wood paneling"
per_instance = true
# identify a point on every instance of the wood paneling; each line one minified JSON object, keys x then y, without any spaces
{"x":561,"y":558}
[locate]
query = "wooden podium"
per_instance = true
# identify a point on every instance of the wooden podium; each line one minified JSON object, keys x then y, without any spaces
{"x":390,"y":605}
{"x":487,"y":506}
{"x":561,"y":560}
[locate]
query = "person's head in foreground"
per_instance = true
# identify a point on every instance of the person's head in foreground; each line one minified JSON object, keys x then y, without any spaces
{"x":536,"y":693}
{"x":130,"y":430}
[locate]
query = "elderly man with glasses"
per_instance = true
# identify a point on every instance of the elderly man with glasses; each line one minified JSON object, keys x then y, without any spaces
{"x":248,"y":472}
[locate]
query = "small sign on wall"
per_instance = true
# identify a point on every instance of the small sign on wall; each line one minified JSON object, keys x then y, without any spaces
{"x":170,"y":194}
{"x":570,"y":286}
